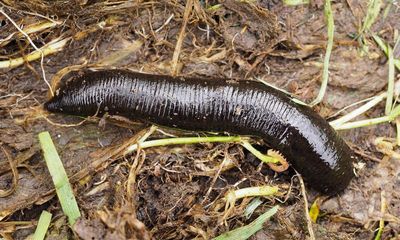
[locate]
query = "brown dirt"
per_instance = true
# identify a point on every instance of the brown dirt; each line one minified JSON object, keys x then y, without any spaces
{"x":174,"y":194}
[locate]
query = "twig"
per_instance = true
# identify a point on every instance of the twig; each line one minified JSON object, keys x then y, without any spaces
{"x":165,"y":23}
{"x":366,"y":156}
{"x":32,"y":28}
{"x":216,"y":176}
{"x":178,"y":46}
{"x":308,"y":218}
{"x":31,"y":13}
{"x":64,"y":125}
{"x":136,"y":166}
{"x":33,"y":45}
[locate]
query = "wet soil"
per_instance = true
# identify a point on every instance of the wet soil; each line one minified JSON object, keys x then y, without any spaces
{"x":176,"y":192}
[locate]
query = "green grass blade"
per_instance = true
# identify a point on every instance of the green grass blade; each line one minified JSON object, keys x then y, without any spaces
{"x":385,"y":48}
{"x":60,"y":178}
{"x":398,"y":131}
{"x":390,"y":91}
{"x":394,"y":113}
{"x":387,"y":8}
{"x":253,"y":205}
{"x":182,"y":140}
{"x":298,"y":101}
{"x":325,"y":72}
{"x":245,"y":232}
{"x":264,"y":158}
{"x":193,"y":140}
{"x":253,"y":191}
{"x":364,"y":123}
{"x":380,"y":43}
{"x":372,"y":121}
{"x":360,"y":110}
{"x":374,"y":7}
{"x":295,"y":2}
{"x":391,"y":113}
{"x":43,"y":225}
{"x":382,"y":220}
{"x":396,"y":48}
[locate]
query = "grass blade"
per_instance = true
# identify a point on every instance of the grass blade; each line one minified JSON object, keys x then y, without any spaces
{"x":362,"y":109}
{"x":325,"y":73}
{"x":60,"y":178}
{"x":182,"y":140}
{"x":193,"y":140}
{"x":52,"y":47}
{"x":396,"y":49}
{"x":390,"y":91}
{"x":264,"y":158}
{"x":374,"y":7}
{"x":295,"y":2}
{"x":372,"y":121}
{"x":43,"y":225}
{"x":253,"y":205}
{"x":364,"y":123}
{"x":381,"y":221}
{"x":384,"y":47}
{"x":246,"y":231}
{"x":293,"y":98}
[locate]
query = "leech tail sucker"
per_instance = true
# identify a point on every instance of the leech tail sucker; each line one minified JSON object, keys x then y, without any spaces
{"x":244,"y":107}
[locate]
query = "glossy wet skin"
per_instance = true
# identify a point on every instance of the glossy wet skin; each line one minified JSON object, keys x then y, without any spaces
{"x":245,"y":107}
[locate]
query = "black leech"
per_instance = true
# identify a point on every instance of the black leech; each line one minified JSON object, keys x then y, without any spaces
{"x":310,"y":144}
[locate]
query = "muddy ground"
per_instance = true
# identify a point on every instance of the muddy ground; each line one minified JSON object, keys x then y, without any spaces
{"x":176,"y":190}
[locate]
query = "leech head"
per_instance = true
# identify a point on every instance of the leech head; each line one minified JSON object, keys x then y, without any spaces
{"x":55,"y":104}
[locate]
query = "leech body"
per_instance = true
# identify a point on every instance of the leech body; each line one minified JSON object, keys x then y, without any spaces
{"x":310,"y":144}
